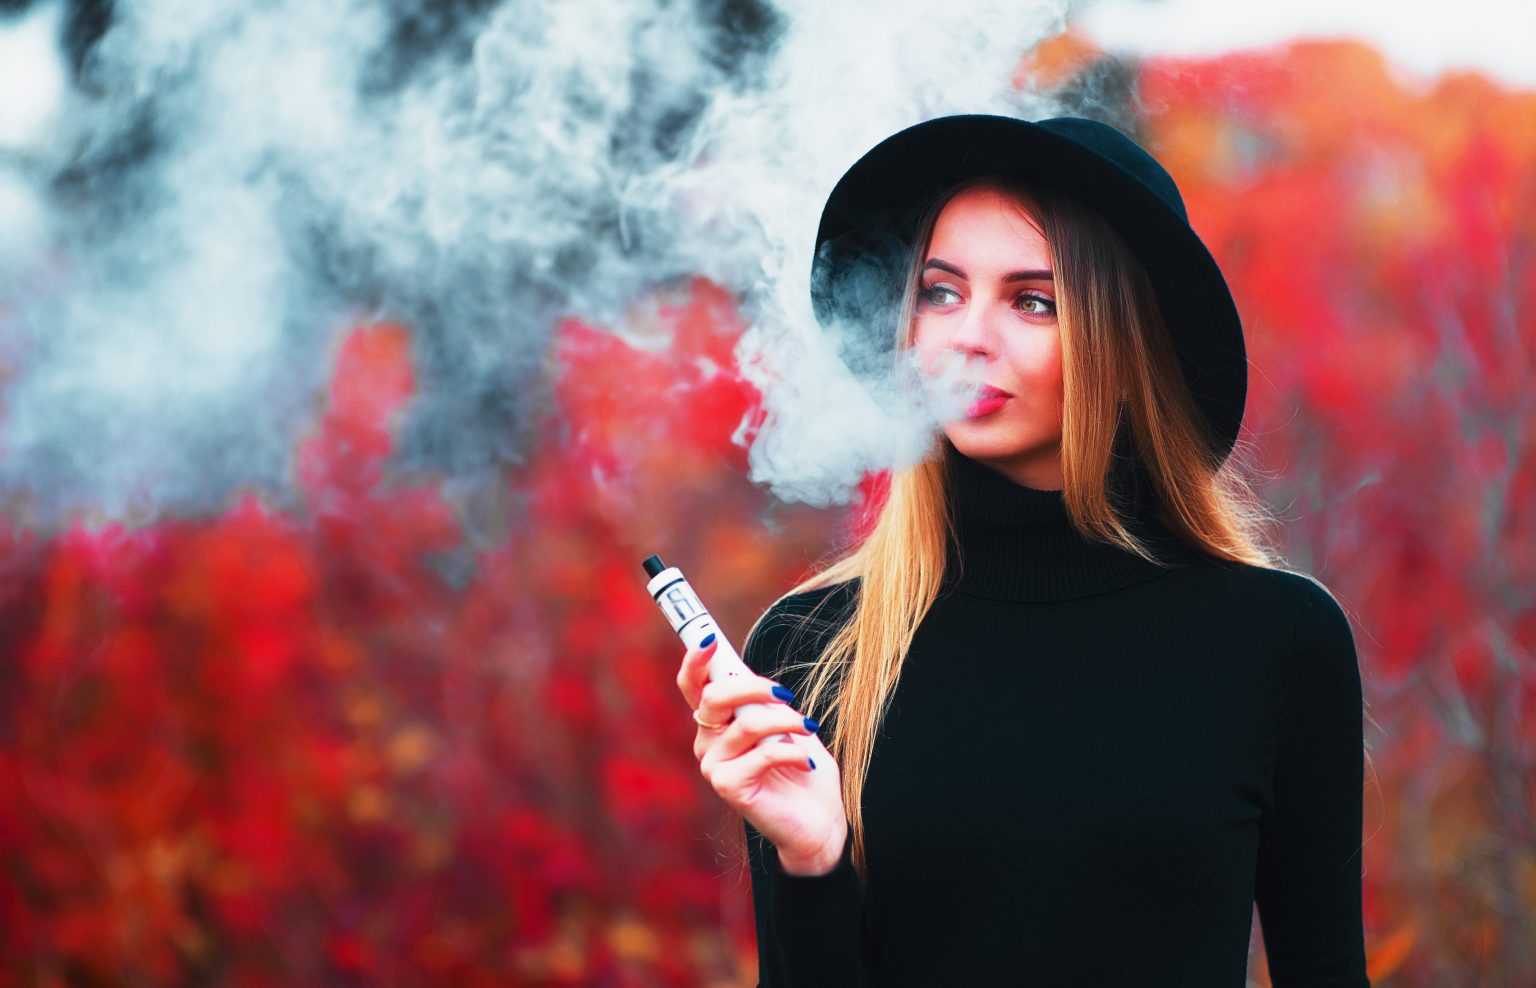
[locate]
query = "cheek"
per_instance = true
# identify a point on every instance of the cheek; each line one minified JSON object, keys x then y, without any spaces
{"x":927,"y":347}
{"x":1040,"y":363}
{"x":1053,"y":366}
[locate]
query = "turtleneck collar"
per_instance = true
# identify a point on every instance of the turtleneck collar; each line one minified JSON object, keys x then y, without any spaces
{"x":1018,"y":543}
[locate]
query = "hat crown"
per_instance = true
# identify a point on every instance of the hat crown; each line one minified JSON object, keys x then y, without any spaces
{"x":1107,"y":142}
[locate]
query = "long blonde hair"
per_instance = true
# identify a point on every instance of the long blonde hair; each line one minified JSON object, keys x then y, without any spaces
{"x":1112,"y":338}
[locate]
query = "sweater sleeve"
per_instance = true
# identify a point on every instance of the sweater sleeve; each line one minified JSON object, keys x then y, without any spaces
{"x":1308,"y":879}
{"x":809,"y":927}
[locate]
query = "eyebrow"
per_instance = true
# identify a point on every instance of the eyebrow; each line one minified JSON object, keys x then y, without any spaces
{"x":1037,"y":275}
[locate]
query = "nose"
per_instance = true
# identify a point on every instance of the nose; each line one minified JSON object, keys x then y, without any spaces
{"x":974,"y":335}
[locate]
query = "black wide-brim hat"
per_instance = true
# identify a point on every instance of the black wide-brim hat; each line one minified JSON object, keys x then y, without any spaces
{"x":864,"y":242}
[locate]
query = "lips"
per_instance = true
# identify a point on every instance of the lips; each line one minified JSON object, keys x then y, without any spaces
{"x":989,"y":400}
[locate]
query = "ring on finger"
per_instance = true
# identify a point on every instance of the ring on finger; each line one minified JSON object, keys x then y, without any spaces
{"x":704,"y":723}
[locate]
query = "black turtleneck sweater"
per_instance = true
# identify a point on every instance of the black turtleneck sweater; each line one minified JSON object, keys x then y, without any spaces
{"x":1093,"y":768}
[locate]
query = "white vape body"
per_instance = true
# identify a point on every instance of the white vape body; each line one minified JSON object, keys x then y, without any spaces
{"x":693,"y":622}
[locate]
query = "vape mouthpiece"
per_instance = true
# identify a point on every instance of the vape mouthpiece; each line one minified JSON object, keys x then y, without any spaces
{"x":653,"y":565}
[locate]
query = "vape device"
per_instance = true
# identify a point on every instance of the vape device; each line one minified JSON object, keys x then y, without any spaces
{"x":692,"y":622}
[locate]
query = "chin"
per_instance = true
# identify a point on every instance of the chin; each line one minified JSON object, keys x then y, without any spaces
{"x":1001,"y":449}
{"x":967,"y":441}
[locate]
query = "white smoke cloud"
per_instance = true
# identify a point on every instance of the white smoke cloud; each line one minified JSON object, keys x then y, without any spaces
{"x":230,"y":185}
{"x":33,"y":85}
{"x":32,"y":78}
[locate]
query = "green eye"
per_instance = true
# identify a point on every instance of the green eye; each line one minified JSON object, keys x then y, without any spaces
{"x":1047,"y":306}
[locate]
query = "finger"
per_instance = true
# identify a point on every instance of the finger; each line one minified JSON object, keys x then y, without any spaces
{"x":694,"y":671}
{"x":735,"y":778}
{"x":719,"y":699}
{"x":816,"y":749}
{"x":750,"y":726}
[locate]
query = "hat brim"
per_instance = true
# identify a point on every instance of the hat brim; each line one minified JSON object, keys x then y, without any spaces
{"x":882,"y":195}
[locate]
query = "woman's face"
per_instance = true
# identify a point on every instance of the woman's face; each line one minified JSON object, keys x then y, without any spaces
{"x":987,"y":301}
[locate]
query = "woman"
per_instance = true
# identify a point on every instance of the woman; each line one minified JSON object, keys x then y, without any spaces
{"x":1076,"y":719}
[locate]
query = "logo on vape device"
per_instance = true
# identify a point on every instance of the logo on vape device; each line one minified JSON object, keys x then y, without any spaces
{"x":680,"y":605}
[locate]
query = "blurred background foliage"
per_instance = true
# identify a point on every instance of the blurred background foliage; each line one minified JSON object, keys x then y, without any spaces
{"x":340,"y":746}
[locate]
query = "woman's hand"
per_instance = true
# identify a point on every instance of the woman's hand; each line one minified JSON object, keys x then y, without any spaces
{"x":770,"y":783}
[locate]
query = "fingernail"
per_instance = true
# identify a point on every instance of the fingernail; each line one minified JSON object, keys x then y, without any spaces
{"x":707,"y":640}
{"x":811,"y":725}
{"x":812,"y":761}
{"x":783,"y":694}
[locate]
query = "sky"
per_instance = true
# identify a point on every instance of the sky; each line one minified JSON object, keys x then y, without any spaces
{"x":1495,"y":37}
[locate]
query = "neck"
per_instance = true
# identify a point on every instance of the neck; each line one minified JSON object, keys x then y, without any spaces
{"x":1044,"y":475}
{"x":1018,"y":543}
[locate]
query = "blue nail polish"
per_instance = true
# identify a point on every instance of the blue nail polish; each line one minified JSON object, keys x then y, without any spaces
{"x":812,"y":761}
{"x":811,"y":725}
{"x":783,"y":694}
{"x":707,"y":640}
